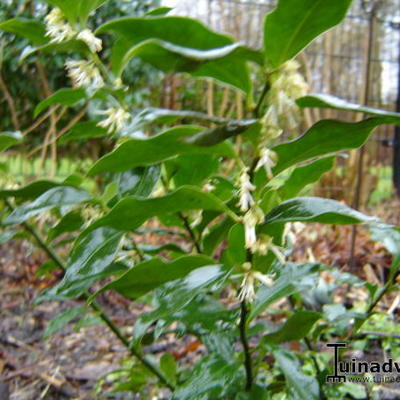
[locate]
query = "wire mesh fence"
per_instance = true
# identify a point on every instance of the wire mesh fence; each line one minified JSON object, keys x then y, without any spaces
{"x":357,"y":61}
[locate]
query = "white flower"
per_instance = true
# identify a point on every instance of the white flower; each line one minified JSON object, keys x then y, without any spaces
{"x":94,"y":43}
{"x":57,"y":28}
{"x":264,"y":245}
{"x":246,"y":187}
{"x":116,"y":120}
{"x":84,"y":74}
{"x":247,"y":288}
{"x":250,"y":220}
{"x":268,"y":160}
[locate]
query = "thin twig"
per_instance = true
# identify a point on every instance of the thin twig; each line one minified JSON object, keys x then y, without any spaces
{"x":246,"y":348}
{"x":191,"y":232}
{"x":95,"y":306}
{"x":11,"y":103}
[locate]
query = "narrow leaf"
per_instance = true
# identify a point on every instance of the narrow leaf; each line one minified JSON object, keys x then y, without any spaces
{"x":62,"y":320}
{"x":8,"y":139}
{"x":32,"y":30}
{"x":148,"y":275}
{"x":316,"y":209}
{"x":295,"y":23}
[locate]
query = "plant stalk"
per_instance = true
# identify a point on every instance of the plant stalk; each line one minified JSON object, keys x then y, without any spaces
{"x":246,"y":348}
{"x":95,"y":306}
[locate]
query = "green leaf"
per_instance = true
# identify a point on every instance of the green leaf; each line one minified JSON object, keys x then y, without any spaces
{"x":62,"y":320}
{"x":301,"y":386}
{"x":29,"y":29}
{"x":293,"y":278}
{"x":295,"y":23}
{"x":326,"y":137}
{"x":66,"y":97}
{"x":169,"y":367}
{"x":316,"y":209}
{"x":131,"y":212}
{"x":159,"y":11}
{"x":30,"y":191}
{"x":328,"y":101}
{"x":91,"y":259}
{"x":75,"y":10}
{"x":303,"y":176}
{"x":235,"y":253}
{"x":8,"y":139}
{"x":295,"y":328}
{"x":192,"y":169}
{"x":68,"y":223}
{"x":56,"y":197}
{"x":211,"y":378}
{"x":173,"y":296}
{"x":84,"y":130}
{"x":138,"y":182}
{"x":142,"y":152}
{"x":150,"y":274}
{"x":216,"y":235}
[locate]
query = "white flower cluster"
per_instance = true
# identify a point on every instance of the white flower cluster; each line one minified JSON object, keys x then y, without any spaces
{"x":116,"y":119}
{"x":60,"y":30}
{"x":247,"y":288}
{"x":84,"y":73}
{"x":287,"y":85}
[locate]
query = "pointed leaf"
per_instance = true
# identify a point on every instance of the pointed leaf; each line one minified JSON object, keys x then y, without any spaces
{"x":295,"y":328}
{"x":30,"y":191}
{"x":68,"y":223}
{"x":326,"y":137}
{"x":27,"y":28}
{"x":132,"y":212}
{"x":65,"y":97}
{"x":293,"y":279}
{"x":295,"y":23}
{"x":84,"y":130}
{"x":317,"y":100}
{"x":301,"y":386}
{"x":303,"y":176}
{"x":56,"y":197}
{"x":149,"y":275}
{"x":62,"y":320}
{"x":8,"y":139}
{"x":141,"y":152}
{"x":316,"y":209}
{"x":90,"y":261}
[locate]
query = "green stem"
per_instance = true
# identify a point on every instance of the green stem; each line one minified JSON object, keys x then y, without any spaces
{"x":246,"y":348}
{"x":257,"y":108}
{"x":191,"y":232}
{"x":95,"y":306}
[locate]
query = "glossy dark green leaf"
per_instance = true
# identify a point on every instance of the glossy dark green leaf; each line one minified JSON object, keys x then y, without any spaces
{"x":295,"y":23}
{"x":148,"y":249}
{"x":32,"y":30}
{"x":300,"y":385}
{"x":235,"y":253}
{"x":131,"y":212}
{"x":90,"y":260}
{"x":324,"y":138}
{"x":138,"y":182}
{"x":68,"y":223}
{"x":149,"y":275}
{"x":293,"y":278}
{"x":84,"y":130}
{"x":192,"y":169}
{"x":175,"y":295}
{"x":216,"y":235}
{"x":317,"y":100}
{"x":211,"y":378}
{"x":305,"y":175}
{"x":56,"y":197}
{"x":316,"y":209}
{"x":295,"y":328}
{"x":30,"y":191}
{"x":75,"y":10}
{"x":66,"y":97}
{"x":62,"y":320}
{"x":159,"y":11}
{"x":142,"y":152}
{"x":169,"y":367}
{"x":8,"y":139}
